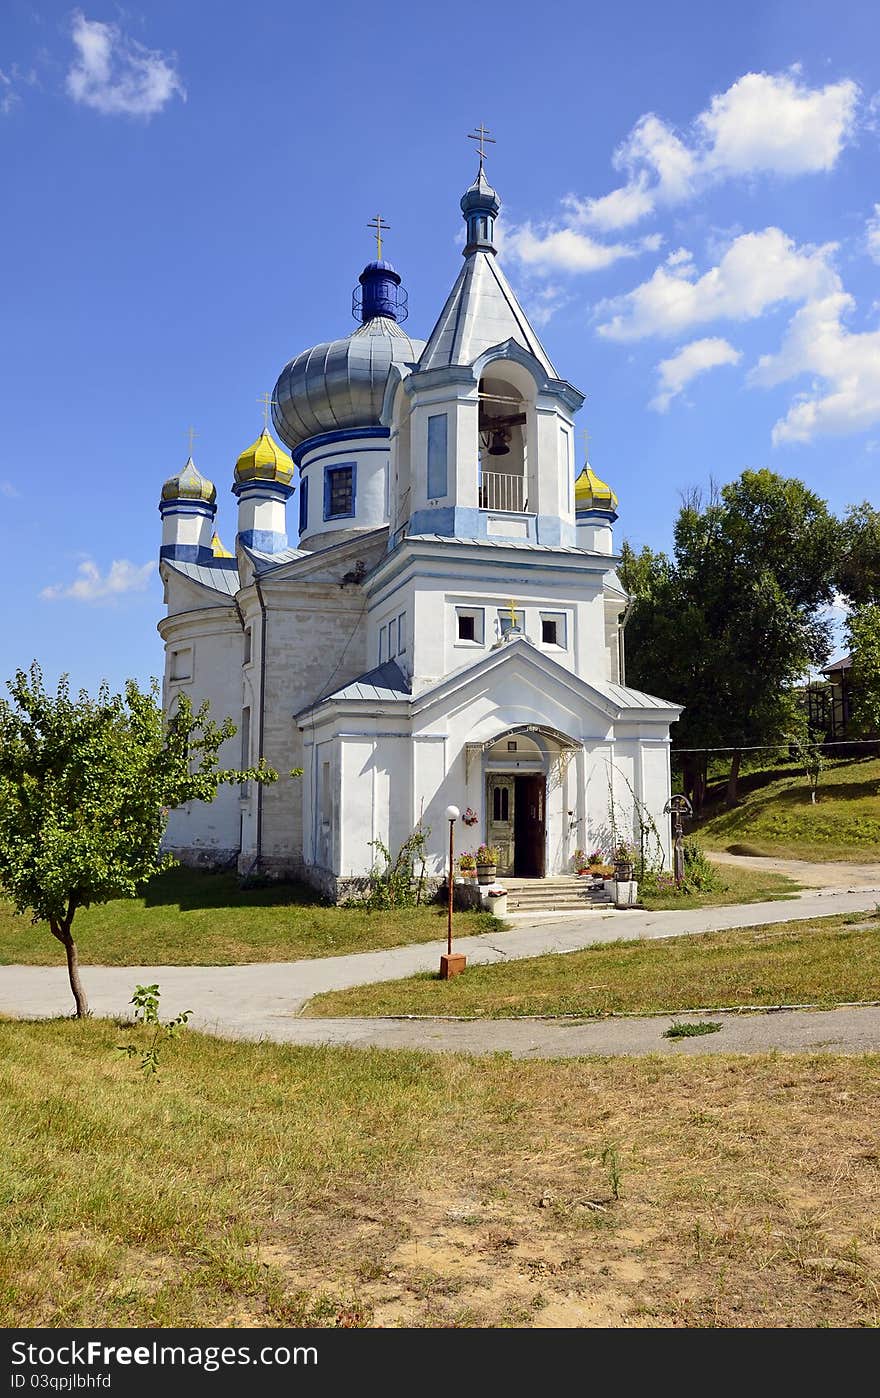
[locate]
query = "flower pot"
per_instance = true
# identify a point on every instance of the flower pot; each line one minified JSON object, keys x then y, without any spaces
{"x":486,"y":873}
{"x":498,"y":903}
{"x":623,"y":871}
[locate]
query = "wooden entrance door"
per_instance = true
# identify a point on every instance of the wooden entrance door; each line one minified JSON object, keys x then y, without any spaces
{"x":530,"y":826}
{"x":500,"y":806}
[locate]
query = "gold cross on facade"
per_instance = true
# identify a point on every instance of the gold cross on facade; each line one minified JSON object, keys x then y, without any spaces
{"x":266,"y":402}
{"x":482,"y":137}
{"x":191,"y":434}
{"x":379,"y":226}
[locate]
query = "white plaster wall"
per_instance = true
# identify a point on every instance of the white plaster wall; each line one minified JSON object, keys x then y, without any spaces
{"x":372,"y":505}
{"x":203,"y":830}
{"x":188,"y":527}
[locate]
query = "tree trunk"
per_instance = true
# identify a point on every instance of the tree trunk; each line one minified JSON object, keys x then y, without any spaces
{"x":733,"y":778}
{"x":62,"y":932}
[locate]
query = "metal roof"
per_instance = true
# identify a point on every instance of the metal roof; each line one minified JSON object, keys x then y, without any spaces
{"x":264,"y":561}
{"x":481,"y":311}
{"x":845,"y":663}
{"x":220,"y":576}
{"x":523,"y":544}
{"x":384,"y":682}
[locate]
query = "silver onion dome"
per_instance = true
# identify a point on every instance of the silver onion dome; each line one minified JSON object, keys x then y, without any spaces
{"x":340,"y":384}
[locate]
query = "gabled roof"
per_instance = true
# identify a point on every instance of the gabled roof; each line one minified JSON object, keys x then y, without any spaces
{"x":844,"y":663}
{"x":615,"y":700}
{"x":480,"y":312}
{"x":220,"y":575}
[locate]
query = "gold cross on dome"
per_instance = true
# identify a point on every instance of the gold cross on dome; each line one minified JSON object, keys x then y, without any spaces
{"x":379,"y":226}
{"x":266,"y":402}
{"x":191,"y":434}
{"x":482,"y":137}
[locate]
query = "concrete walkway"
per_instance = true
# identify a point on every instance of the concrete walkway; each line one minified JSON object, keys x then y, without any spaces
{"x":262,"y":1000}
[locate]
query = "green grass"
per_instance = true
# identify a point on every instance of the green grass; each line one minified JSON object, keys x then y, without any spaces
{"x":190,"y":918}
{"x":733,"y":886}
{"x":776,"y":816}
{"x":818,"y":961}
{"x":690,"y":1030}
{"x":262,"y":1185}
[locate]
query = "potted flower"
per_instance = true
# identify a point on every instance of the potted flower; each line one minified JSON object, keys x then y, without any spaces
{"x":623,"y":862}
{"x":487,"y":860}
{"x":467,"y":865}
{"x":579,"y":860}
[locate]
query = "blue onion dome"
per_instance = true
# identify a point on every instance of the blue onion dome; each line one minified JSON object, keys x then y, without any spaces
{"x":189,"y":484}
{"x":341,"y":384}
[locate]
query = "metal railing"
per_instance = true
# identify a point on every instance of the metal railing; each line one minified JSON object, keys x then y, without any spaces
{"x":502,"y":492}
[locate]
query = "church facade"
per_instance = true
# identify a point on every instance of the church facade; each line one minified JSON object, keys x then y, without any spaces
{"x":447,"y":627}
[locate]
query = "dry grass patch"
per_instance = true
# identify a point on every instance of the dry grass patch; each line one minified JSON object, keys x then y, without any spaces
{"x":257,"y":1184}
{"x":817,"y":961}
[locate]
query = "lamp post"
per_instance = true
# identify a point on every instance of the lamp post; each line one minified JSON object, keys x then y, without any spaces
{"x":451,"y":964}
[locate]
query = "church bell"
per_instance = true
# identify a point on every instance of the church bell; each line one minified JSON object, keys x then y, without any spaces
{"x":500,"y":442}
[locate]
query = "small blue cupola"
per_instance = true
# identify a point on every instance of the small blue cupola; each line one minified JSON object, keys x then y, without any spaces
{"x":480,"y":205}
{"x":379,"y":294}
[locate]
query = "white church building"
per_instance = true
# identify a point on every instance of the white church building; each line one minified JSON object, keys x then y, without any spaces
{"x":446,"y":627}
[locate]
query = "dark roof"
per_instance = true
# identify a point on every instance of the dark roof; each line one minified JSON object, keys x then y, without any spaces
{"x":844,"y":663}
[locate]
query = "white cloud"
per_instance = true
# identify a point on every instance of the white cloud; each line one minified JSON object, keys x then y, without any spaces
{"x":844,"y":396}
{"x":758,"y":271}
{"x":116,"y":75}
{"x":562,"y":249}
{"x":8,"y":95}
{"x":9,"y":490}
{"x":91,"y":586}
{"x":872,"y":234}
{"x":765,"y":123}
{"x":676,"y":373}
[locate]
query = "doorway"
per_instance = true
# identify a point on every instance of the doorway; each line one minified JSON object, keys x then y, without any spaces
{"x":529,"y":826}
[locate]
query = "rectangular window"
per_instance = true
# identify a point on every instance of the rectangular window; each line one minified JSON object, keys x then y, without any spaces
{"x":303,"y":506}
{"x":181,"y":664}
{"x":247,"y":645}
{"x":437,"y":473}
{"x":469,"y":625}
{"x":381,"y":644}
{"x":401,"y":633}
{"x":566,"y":465}
{"x":553,"y":629}
{"x":508,"y":622}
{"x":245,"y":745}
{"x":326,"y":795}
{"x":339,"y":492}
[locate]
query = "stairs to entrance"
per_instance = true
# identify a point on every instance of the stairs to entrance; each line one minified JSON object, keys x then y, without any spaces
{"x":565,"y":892}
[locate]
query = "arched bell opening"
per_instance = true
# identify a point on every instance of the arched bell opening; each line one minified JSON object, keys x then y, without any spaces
{"x":503,"y":445}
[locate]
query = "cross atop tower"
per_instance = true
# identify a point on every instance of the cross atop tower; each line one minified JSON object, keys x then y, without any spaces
{"x":266,"y":402}
{"x":379,"y":226}
{"x":482,"y":137}
{"x":191,"y":434}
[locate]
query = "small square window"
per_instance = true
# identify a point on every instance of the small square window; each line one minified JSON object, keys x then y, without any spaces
{"x":467,"y":627}
{"x":339,"y":492}
{"x":181,"y":664}
{"x":549,"y":631}
{"x":554,"y":630}
{"x":508,"y":622}
{"x":511,"y":746}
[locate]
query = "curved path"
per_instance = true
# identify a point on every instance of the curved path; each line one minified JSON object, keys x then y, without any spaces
{"x":827,"y":874}
{"x":262,"y":1001}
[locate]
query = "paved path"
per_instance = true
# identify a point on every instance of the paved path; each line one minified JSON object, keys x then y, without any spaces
{"x":262,"y":1000}
{"x":829,"y":874}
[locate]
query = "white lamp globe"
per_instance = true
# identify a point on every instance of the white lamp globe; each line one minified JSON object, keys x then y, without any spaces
{"x":452,"y":813}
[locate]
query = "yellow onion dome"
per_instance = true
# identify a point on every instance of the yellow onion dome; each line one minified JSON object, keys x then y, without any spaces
{"x":264,"y":461}
{"x":189,"y":484}
{"x":217,"y":548}
{"x":592,"y":494}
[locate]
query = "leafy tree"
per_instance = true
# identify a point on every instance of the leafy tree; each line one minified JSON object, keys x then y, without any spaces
{"x":86,"y":785}
{"x":859,"y":571}
{"x":729,"y":624}
{"x":863,"y":632}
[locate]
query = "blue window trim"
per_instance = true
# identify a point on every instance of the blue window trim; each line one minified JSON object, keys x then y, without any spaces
{"x":437,"y":474}
{"x":328,"y":472}
{"x":303,"y":504}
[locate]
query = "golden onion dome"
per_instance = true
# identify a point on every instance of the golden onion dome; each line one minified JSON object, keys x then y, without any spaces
{"x":592,"y":494}
{"x":264,"y":460}
{"x":217,"y":548}
{"x":189,"y":484}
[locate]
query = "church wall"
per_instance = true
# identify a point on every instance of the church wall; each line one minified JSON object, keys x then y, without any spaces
{"x":201,"y":833}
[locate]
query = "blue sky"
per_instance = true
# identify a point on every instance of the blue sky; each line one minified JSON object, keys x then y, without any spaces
{"x":691,"y":215}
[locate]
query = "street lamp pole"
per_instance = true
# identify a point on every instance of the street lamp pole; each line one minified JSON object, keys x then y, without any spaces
{"x":451,"y":965}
